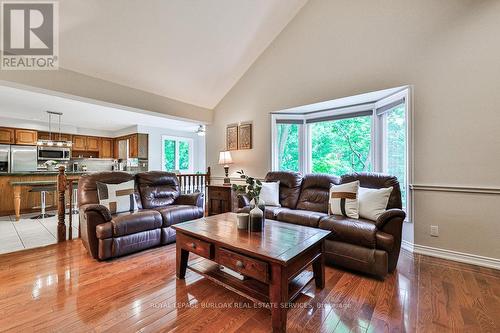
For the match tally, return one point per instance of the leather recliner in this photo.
(160, 204)
(359, 244)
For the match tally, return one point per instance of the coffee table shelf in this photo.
(252, 289)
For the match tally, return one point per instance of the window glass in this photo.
(288, 146)
(394, 140)
(341, 146)
(183, 155)
(169, 154)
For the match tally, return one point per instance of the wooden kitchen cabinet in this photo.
(26, 137)
(79, 142)
(133, 149)
(106, 150)
(92, 143)
(85, 143)
(6, 135)
(54, 136)
(43, 136)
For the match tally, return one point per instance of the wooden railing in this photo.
(194, 182)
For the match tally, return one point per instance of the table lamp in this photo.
(225, 159)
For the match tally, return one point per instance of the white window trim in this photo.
(177, 139)
(305, 158)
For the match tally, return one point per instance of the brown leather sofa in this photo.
(367, 246)
(161, 205)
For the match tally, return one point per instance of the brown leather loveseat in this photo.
(368, 246)
(160, 203)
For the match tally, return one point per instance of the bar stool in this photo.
(74, 204)
(43, 190)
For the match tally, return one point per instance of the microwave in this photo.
(54, 153)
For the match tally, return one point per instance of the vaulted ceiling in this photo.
(193, 51)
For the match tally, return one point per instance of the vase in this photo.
(256, 221)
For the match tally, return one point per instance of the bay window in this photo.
(362, 137)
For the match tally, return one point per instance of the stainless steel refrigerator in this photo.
(23, 158)
(4, 158)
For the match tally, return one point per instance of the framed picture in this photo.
(232, 137)
(245, 136)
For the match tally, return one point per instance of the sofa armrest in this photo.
(91, 216)
(243, 200)
(192, 199)
(388, 215)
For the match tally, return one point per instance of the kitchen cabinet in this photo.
(54, 136)
(85, 143)
(133, 150)
(79, 142)
(6, 135)
(106, 150)
(26, 137)
(137, 145)
(92, 143)
(142, 146)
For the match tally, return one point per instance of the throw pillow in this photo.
(344, 200)
(373, 202)
(270, 193)
(118, 198)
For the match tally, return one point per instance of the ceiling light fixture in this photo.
(58, 142)
(201, 131)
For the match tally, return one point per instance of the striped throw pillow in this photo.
(118, 198)
(344, 200)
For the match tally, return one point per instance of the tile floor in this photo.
(27, 233)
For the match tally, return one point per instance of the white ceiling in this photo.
(30, 107)
(189, 50)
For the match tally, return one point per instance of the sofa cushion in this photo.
(174, 214)
(354, 231)
(118, 198)
(377, 180)
(314, 193)
(302, 217)
(290, 183)
(87, 184)
(132, 222)
(157, 188)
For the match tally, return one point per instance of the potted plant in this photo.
(252, 190)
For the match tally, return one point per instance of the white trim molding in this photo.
(454, 188)
(467, 258)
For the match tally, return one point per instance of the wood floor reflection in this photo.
(59, 288)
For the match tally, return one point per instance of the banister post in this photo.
(61, 204)
(208, 176)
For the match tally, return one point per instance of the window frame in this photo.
(377, 139)
(177, 140)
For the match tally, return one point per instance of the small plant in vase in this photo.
(252, 190)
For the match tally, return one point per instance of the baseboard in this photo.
(467, 258)
(408, 246)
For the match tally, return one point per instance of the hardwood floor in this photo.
(59, 288)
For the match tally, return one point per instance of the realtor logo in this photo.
(29, 35)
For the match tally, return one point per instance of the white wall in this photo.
(155, 146)
(448, 50)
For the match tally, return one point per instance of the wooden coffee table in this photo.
(275, 261)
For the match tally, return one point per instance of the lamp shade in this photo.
(225, 157)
